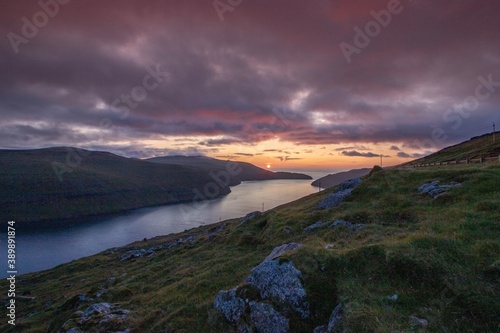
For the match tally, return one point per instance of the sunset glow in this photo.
(292, 85)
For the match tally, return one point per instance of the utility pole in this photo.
(319, 186)
(381, 160)
(493, 132)
(262, 206)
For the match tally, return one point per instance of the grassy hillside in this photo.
(440, 256)
(95, 183)
(481, 146)
(248, 171)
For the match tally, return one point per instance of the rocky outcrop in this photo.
(433, 189)
(281, 250)
(351, 226)
(341, 192)
(248, 217)
(266, 319)
(99, 317)
(281, 284)
(269, 296)
(314, 226)
(188, 240)
(335, 323)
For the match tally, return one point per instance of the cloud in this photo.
(396, 148)
(287, 158)
(244, 154)
(225, 79)
(354, 153)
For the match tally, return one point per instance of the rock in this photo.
(280, 250)
(335, 321)
(433, 189)
(351, 226)
(248, 217)
(230, 305)
(393, 297)
(314, 226)
(266, 319)
(101, 292)
(341, 192)
(96, 309)
(329, 246)
(110, 281)
(280, 283)
(415, 321)
(288, 231)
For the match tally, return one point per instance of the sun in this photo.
(269, 166)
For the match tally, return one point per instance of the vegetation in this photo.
(440, 256)
(62, 183)
(482, 146)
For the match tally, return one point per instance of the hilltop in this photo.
(65, 182)
(389, 256)
(478, 147)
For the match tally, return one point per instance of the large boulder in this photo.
(280, 283)
(230, 305)
(270, 295)
(266, 319)
(335, 322)
(433, 189)
(341, 192)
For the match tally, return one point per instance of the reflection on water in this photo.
(44, 246)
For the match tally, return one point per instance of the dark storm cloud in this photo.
(354, 153)
(227, 79)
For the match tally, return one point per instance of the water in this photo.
(47, 245)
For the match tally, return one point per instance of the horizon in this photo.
(329, 85)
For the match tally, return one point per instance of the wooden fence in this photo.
(456, 162)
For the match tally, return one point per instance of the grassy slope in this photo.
(102, 183)
(481, 146)
(440, 256)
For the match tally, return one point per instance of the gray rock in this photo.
(393, 297)
(341, 192)
(248, 217)
(97, 309)
(230, 305)
(287, 231)
(329, 246)
(280, 283)
(418, 322)
(282, 249)
(433, 189)
(351, 226)
(101, 292)
(133, 254)
(335, 321)
(266, 319)
(314, 226)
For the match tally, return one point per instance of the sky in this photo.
(289, 84)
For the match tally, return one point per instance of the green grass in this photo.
(441, 256)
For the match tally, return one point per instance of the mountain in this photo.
(475, 148)
(337, 178)
(65, 182)
(248, 171)
(55, 183)
(387, 259)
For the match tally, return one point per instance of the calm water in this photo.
(46, 246)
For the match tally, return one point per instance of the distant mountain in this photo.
(57, 183)
(337, 178)
(247, 171)
(64, 182)
(480, 146)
